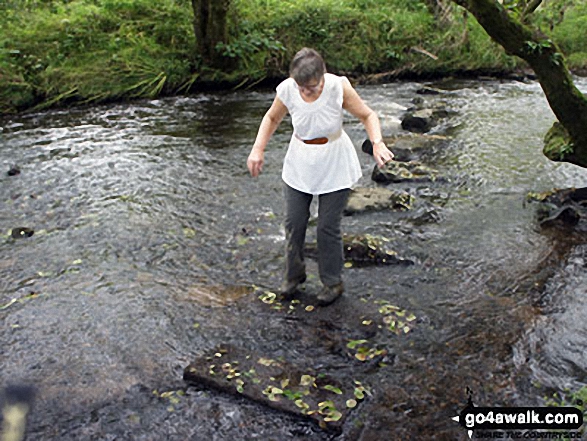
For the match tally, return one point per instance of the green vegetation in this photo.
(53, 52)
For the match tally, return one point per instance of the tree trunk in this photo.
(211, 28)
(566, 101)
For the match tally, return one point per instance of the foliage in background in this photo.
(57, 51)
(93, 50)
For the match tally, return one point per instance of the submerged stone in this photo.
(277, 384)
(217, 295)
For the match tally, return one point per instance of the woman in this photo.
(321, 160)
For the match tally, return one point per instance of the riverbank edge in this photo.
(204, 85)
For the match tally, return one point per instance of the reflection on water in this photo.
(144, 213)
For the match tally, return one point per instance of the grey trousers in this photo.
(330, 251)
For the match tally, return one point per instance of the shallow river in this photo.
(147, 226)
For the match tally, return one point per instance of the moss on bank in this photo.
(53, 52)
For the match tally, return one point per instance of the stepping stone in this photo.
(364, 250)
(375, 199)
(278, 384)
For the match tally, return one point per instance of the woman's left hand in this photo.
(381, 154)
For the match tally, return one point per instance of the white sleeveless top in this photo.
(318, 168)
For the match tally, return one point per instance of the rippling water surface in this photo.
(149, 235)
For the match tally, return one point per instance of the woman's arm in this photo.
(269, 124)
(353, 103)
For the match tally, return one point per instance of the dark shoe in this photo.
(329, 294)
(290, 287)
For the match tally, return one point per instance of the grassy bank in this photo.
(53, 52)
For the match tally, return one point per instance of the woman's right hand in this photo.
(255, 162)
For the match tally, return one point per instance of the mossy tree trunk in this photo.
(211, 28)
(566, 141)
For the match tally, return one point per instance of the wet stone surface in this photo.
(395, 172)
(566, 208)
(362, 250)
(279, 384)
(375, 199)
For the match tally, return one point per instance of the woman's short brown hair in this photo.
(307, 65)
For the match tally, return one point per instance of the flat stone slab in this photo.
(409, 147)
(278, 384)
(364, 250)
(373, 199)
(395, 171)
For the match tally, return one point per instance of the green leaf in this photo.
(333, 416)
(359, 393)
(267, 362)
(326, 405)
(354, 343)
(334, 389)
(189, 233)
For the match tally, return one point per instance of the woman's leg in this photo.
(297, 213)
(330, 251)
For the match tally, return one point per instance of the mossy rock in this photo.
(365, 250)
(396, 171)
(557, 143)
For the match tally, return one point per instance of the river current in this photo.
(151, 238)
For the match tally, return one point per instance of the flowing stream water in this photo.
(148, 231)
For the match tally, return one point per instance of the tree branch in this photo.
(545, 58)
(530, 8)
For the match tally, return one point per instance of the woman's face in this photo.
(313, 89)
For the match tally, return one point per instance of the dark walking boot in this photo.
(329, 294)
(290, 287)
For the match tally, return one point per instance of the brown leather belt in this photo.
(322, 140)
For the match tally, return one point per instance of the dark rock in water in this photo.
(364, 250)
(566, 215)
(395, 171)
(14, 170)
(426, 90)
(425, 216)
(409, 147)
(367, 147)
(564, 207)
(278, 384)
(373, 199)
(415, 146)
(21, 232)
(419, 121)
